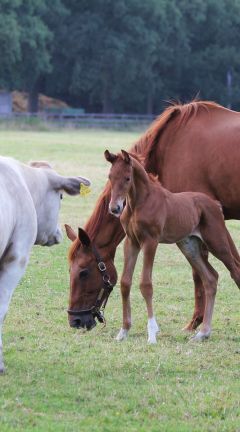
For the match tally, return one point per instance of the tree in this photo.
(10, 46)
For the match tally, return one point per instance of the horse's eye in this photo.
(61, 196)
(83, 273)
(127, 179)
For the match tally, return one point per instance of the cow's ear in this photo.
(70, 185)
(70, 233)
(83, 237)
(110, 157)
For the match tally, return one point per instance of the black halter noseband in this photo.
(98, 309)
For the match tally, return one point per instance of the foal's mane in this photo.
(141, 160)
(143, 149)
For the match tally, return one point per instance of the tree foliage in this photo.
(125, 55)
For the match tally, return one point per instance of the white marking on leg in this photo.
(122, 335)
(153, 329)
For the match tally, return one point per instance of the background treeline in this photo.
(121, 55)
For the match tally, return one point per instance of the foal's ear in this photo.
(110, 157)
(70, 232)
(126, 156)
(83, 237)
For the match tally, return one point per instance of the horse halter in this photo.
(97, 310)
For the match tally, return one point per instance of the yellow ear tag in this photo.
(84, 190)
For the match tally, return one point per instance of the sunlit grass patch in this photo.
(60, 379)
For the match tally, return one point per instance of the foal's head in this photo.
(120, 177)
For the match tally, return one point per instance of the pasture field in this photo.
(59, 379)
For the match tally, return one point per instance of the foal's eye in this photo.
(127, 179)
(83, 273)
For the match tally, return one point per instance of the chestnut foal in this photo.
(154, 215)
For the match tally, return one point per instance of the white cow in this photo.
(29, 207)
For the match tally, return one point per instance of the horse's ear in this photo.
(70, 232)
(83, 237)
(126, 156)
(110, 157)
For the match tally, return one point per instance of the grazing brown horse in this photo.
(191, 147)
(154, 215)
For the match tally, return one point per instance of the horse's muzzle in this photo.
(83, 321)
(115, 211)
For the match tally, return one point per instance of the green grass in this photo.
(59, 379)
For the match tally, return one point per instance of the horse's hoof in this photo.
(200, 337)
(2, 369)
(122, 335)
(152, 340)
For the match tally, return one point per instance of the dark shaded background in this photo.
(121, 55)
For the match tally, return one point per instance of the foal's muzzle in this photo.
(116, 211)
(83, 321)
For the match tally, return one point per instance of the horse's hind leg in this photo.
(220, 244)
(199, 288)
(233, 248)
(191, 248)
(199, 295)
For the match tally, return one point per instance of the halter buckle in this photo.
(102, 267)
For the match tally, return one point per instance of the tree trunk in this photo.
(107, 104)
(33, 97)
(149, 102)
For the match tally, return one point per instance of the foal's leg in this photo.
(12, 269)
(149, 251)
(190, 247)
(233, 248)
(220, 244)
(199, 294)
(131, 252)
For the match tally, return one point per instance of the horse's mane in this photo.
(181, 113)
(95, 220)
(143, 149)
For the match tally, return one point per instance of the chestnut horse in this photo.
(154, 215)
(191, 147)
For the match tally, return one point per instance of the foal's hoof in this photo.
(200, 336)
(122, 335)
(152, 340)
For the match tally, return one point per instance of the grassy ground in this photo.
(59, 379)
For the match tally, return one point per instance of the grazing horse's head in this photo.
(120, 177)
(92, 277)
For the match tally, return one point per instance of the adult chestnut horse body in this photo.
(191, 147)
(150, 215)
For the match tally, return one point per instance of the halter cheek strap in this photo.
(98, 309)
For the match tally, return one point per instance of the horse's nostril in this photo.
(76, 323)
(116, 210)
